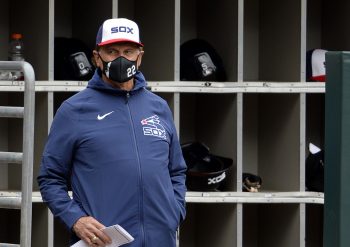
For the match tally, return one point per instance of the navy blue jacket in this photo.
(120, 153)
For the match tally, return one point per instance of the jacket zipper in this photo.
(139, 170)
(127, 96)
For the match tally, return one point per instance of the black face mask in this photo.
(120, 69)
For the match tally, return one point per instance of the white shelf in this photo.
(259, 197)
(180, 86)
(217, 197)
(238, 87)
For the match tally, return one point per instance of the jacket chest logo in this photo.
(99, 117)
(153, 127)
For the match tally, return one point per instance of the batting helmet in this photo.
(205, 171)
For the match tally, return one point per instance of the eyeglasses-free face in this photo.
(113, 51)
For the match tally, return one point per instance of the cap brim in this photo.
(111, 41)
(320, 78)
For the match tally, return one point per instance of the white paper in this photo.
(117, 233)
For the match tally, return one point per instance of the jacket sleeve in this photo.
(177, 169)
(55, 169)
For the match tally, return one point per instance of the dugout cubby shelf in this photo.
(262, 117)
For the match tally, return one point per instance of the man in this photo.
(115, 144)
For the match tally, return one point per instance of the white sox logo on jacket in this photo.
(153, 127)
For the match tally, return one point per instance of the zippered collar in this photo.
(97, 83)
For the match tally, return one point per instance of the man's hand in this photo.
(89, 229)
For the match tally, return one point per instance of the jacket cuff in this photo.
(73, 216)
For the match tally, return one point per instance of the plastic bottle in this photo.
(16, 47)
(16, 52)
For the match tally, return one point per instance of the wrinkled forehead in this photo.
(120, 46)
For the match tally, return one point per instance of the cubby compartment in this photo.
(11, 221)
(335, 19)
(271, 139)
(17, 17)
(326, 20)
(212, 120)
(272, 225)
(272, 40)
(216, 24)
(157, 33)
(75, 29)
(41, 130)
(11, 141)
(315, 15)
(315, 116)
(40, 236)
(11, 132)
(314, 225)
(3, 143)
(62, 235)
(209, 225)
(315, 134)
(73, 21)
(5, 31)
(10, 225)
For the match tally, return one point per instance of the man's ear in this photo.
(96, 58)
(139, 59)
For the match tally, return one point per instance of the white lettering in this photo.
(148, 131)
(217, 179)
(81, 66)
(131, 71)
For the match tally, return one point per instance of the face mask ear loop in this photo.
(105, 65)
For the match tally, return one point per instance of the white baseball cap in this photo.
(118, 30)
